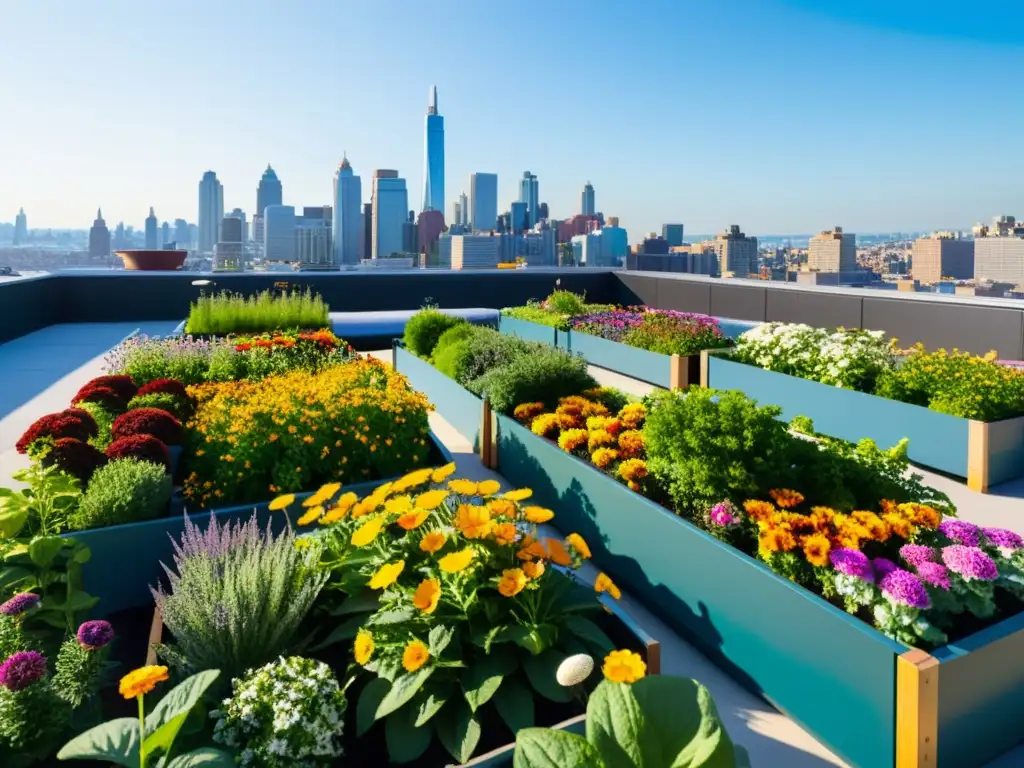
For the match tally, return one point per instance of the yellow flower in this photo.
(505, 534)
(533, 569)
(413, 479)
(398, 505)
(759, 510)
(785, 498)
(432, 499)
(141, 681)
(557, 553)
(281, 502)
(600, 438)
(432, 541)
(538, 515)
(311, 515)
(457, 561)
(576, 541)
(413, 519)
(414, 656)
(512, 582)
(367, 532)
(502, 508)
(387, 575)
(544, 424)
(604, 584)
(519, 494)
(572, 439)
(816, 549)
(623, 667)
(603, 457)
(337, 511)
(463, 487)
(529, 549)
(527, 411)
(474, 521)
(441, 474)
(363, 647)
(632, 470)
(427, 595)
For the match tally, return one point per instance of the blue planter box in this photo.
(652, 367)
(524, 329)
(868, 698)
(986, 453)
(126, 559)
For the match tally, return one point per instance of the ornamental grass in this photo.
(226, 313)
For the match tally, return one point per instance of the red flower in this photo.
(144, 447)
(164, 386)
(243, 347)
(266, 344)
(75, 457)
(148, 421)
(68, 423)
(104, 396)
(121, 384)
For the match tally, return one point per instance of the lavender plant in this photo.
(237, 596)
(147, 358)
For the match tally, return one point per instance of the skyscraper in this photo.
(433, 157)
(519, 217)
(165, 234)
(347, 229)
(483, 205)
(456, 213)
(587, 200)
(151, 230)
(279, 233)
(464, 208)
(834, 251)
(20, 227)
(673, 233)
(367, 247)
(99, 238)
(390, 212)
(228, 254)
(238, 213)
(182, 238)
(211, 211)
(529, 193)
(269, 192)
(313, 247)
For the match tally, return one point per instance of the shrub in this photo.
(225, 313)
(534, 312)
(543, 376)
(148, 359)
(425, 328)
(179, 407)
(76, 457)
(149, 421)
(451, 347)
(163, 387)
(236, 595)
(676, 333)
(104, 396)
(487, 350)
(73, 422)
(125, 491)
(104, 418)
(122, 384)
(566, 303)
(141, 447)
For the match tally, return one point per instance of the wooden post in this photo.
(704, 363)
(156, 632)
(917, 710)
(977, 456)
(488, 437)
(676, 374)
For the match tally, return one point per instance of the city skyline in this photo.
(862, 115)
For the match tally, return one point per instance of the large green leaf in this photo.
(11, 575)
(361, 602)
(393, 616)
(458, 730)
(204, 757)
(167, 717)
(406, 741)
(440, 638)
(43, 549)
(428, 703)
(484, 675)
(547, 748)
(657, 722)
(590, 633)
(540, 670)
(371, 697)
(404, 688)
(345, 631)
(13, 517)
(514, 703)
(116, 741)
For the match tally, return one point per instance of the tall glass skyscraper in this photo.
(587, 200)
(211, 211)
(529, 194)
(433, 158)
(151, 233)
(348, 216)
(269, 192)
(390, 213)
(483, 201)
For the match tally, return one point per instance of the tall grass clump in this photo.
(237, 597)
(225, 313)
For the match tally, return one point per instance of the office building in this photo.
(529, 193)
(942, 256)
(737, 253)
(433, 157)
(542, 211)
(519, 217)
(313, 246)
(165, 234)
(429, 226)
(229, 255)
(998, 258)
(614, 244)
(211, 211)
(587, 200)
(475, 251)
(279, 233)
(20, 227)
(152, 236)
(239, 214)
(483, 201)
(673, 233)
(456, 213)
(367, 247)
(99, 238)
(834, 251)
(390, 212)
(269, 191)
(181, 234)
(348, 216)
(464, 214)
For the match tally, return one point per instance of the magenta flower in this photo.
(25, 601)
(22, 669)
(883, 566)
(961, 532)
(915, 554)
(1003, 539)
(852, 563)
(970, 563)
(933, 574)
(723, 514)
(93, 635)
(904, 588)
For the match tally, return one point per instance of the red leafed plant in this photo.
(75, 457)
(144, 447)
(104, 396)
(73, 422)
(120, 383)
(148, 421)
(163, 386)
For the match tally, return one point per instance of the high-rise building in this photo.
(429, 226)
(457, 213)
(519, 217)
(464, 210)
(475, 251)
(228, 256)
(211, 211)
(943, 255)
(269, 191)
(165, 234)
(238, 213)
(279, 233)
(20, 227)
(998, 252)
(313, 245)
(587, 200)
(120, 239)
(367, 247)
(529, 193)
(181, 234)
(433, 157)
(483, 201)
(834, 251)
(390, 212)
(151, 231)
(99, 238)
(737, 253)
(542, 211)
(348, 216)
(673, 233)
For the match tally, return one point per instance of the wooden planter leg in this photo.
(488, 437)
(704, 363)
(977, 456)
(156, 632)
(917, 710)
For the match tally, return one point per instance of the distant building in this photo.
(269, 191)
(410, 237)
(737, 253)
(673, 233)
(587, 200)
(239, 214)
(348, 230)
(483, 201)
(390, 212)
(456, 213)
(429, 226)
(279, 233)
(367, 248)
(519, 217)
(943, 256)
(165, 234)
(542, 211)
(605, 247)
(537, 248)
(181, 234)
(475, 251)
(653, 244)
(579, 224)
(152, 235)
(211, 211)
(229, 255)
(697, 259)
(465, 216)
(834, 251)
(20, 227)
(999, 259)
(313, 246)
(99, 238)
(529, 193)
(433, 157)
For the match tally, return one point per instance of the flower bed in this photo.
(225, 313)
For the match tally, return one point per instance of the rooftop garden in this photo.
(226, 313)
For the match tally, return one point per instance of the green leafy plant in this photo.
(180, 408)
(44, 506)
(123, 491)
(425, 328)
(487, 350)
(656, 722)
(534, 312)
(566, 303)
(450, 347)
(225, 313)
(543, 376)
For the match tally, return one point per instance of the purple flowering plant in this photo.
(664, 331)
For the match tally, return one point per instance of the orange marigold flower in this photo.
(603, 583)
(433, 541)
(545, 424)
(631, 443)
(557, 553)
(633, 470)
(533, 569)
(899, 525)
(505, 534)
(576, 541)
(530, 549)
(786, 498)
(527, 412)
(759, 510)
(512, 582)
(427, 595)
(602, 458)
(623, 667)
(632, 415)
(415, 656)
(413, 519)
(502, 508)
(474, 521)
(599, 439)
(816, 549)
(572, 439)
(141, 681)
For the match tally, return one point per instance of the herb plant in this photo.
(425, 328)
(226, 313)
(127, 490)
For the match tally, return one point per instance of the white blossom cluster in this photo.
(287, 714)
(843, 358)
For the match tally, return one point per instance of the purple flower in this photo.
(22, 669)
(934, 574)
(852, 563)
(905, 588)
(961, 532)
(883, 566)
(93, 635)
(1002, 538)
(723, 514)
(915, 554)
(969, 562)
(25, 601)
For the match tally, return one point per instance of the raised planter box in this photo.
(985, 453)
(527, 330)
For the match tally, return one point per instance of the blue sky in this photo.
(778, 115)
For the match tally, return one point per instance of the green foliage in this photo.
(226, 313)
(656, 722)
(451, 347)
(543, 376)
(425, 328)
(44, 506)
(534, 312)
(611, 398)
(123, 491)
(675, 334)
(104, 418)
(487, 350)
(32, 722)
(165, 401)
(566, 303)
(77, 672)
